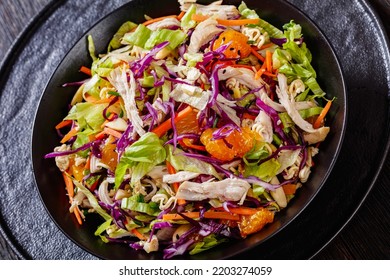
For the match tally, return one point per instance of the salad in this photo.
(192, 129)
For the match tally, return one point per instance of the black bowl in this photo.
(54, 106)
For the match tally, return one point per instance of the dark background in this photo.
(367, 234)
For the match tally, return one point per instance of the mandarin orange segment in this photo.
(254, 223)
(238, 44)
(237, 144)
(189, 124)
(109, 155)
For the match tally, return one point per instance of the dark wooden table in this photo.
(366, 236)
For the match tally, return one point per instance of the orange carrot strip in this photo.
(261, 71)
(246, 211)
(105, 100)
(69, 135)
(68, 184)
(199, 17)
(242, 66)
(226, 22)
(236, 22)
(171, 170)
(157, 19)
(266, 46)
(138, 234)
(63, 124)
(90, 98)
(112, 132)
(181, 15)
(322, 115)
(85, 70)
(259, 56)
(187, 143)
(289, 188)
(268, 59)
(76, 212)
(248, 116)
(269, 74)
(70, 190)
(165, 126)
(207, 215)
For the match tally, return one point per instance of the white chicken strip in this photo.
(316, 134)
(231, 189)
(215, 8)
(203, 33)
(167, 22)
(118, 79)
(244, 76)
(180, 176)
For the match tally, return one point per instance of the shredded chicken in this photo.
(167, 22)
(127, 90)
(244, 76)
(62, 162)
(203, 33)
(215, 8)
(288, 102)
(180, 176)
(230, 189)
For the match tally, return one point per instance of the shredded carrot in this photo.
(69, 135)
(208, 215)
(322, 115)
(269, 74)
(289, 188)
(259, 56)
(266, 46)
(248, 116)
(90, 98)
(68, 184)
(112, 132)
(236, 22)
(171, 170)
(199, 17)
(105, 100)
(86, 70)
(187, 143)
(87, 165)
(165, 126)
(181, 15)
(70, 190)
(94, 185)
(138, 234)
(268, 59)
(246, 211)
(226, 22)
(158, 19)
(63, 124)
(261, 71)
(242, 66)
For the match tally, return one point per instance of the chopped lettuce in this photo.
(181, 162)
(91, 48)
(115, 42)
(269, 28)
(140, 158)
(92, 200)
(136, 203)
(139, 36)
(265, 171)
(145, 38)
(87, 115)
(207, 243)
(187, 22)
